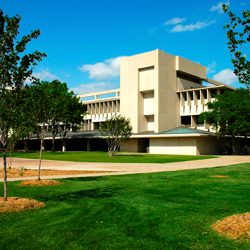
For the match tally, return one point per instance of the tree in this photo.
(8, 118)
(66, 110)
(25, 126)
(230, 114)
(37, 101)
(16, 67)
(115, 130)
(52, 107)
(238, 34)
(71, 117)
(58, 93)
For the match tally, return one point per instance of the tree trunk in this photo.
(246, 151)
(63, 146)
(53, 144)
(234, 146)
(25, 145)
(5, 174)
(10, 159)
(40, 157)
(110, 153)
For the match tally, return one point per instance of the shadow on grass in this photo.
(83, 179)
(127, 155)
(95, 193)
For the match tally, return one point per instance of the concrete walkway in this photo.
(123, 168)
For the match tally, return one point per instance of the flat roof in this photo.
(175, 132)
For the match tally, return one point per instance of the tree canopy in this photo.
(16, 67)
(64, 110)
(52, 107)
(115, 130)
(238, 35)
(230, 113)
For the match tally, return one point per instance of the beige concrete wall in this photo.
(148, 103)
(132, 102)
(130, 146)
(190, 67)
(150, 123)
(167, 113)
(129, 92)
(147, 78)
(176, 146)
(149, 72)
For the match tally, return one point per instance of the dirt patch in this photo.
(219, 176)
(15, 204)
(234, 227)
(22, 172)
(40, 183)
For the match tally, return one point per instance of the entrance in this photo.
(143, 145)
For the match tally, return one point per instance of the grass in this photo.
(169, 210)
(83, 156)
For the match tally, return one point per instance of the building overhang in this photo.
(178, 132)
(170, 135)
(206, 87)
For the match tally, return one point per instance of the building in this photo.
(163, 95)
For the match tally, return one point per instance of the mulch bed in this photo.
(40, 183)
(15, 204)
(22, 172)
(234, 227)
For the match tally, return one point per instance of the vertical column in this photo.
(195, 97)
(208, 95)
(118, 106)
(89, 122)
(112, 107)
(193, 121)
(92, 126)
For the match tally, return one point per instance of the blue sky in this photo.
(84, 40)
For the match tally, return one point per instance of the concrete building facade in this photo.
(163, 96)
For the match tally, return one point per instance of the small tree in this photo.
(238, 34)
(115, 130)
(230, 114)
(15, 68)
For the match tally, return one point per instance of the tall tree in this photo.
(8, 118)
(16, 67)
(71, 117)
(115, 130)
(238, 34)
(65, 112)
(230, 114)
(25, 126)
(38, 101)
(52, 108)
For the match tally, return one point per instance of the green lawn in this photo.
(170, 210)
(83, 156)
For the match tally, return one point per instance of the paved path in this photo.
(124, 168)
